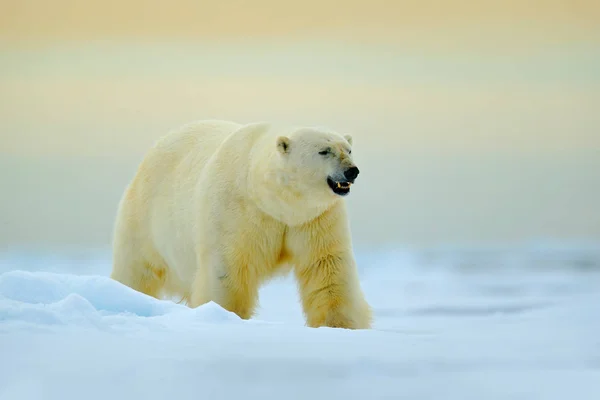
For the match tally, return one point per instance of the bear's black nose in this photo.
(351, 173)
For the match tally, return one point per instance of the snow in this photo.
(517, 323)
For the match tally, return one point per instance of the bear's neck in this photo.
(279, 196)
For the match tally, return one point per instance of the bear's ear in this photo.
(283, 144)
(348, 138)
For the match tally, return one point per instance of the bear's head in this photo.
(318, 161)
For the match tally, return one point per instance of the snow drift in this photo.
(441, 331)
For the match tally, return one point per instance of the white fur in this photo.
(217, 208)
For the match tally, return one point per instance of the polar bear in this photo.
(217, 208)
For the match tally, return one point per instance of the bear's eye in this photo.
(325, 152)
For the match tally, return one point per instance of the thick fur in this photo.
(218, 208)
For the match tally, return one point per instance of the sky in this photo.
(473, 122)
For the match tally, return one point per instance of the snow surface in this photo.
(462, 324)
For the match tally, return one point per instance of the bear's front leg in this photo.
(229, 282)
(331, 294)
(326, 273)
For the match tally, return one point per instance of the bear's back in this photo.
(199, 136)
(159, 201)
(184, 151)
(169, 170)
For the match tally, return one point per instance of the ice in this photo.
(450, 324)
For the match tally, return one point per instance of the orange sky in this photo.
(405, 21)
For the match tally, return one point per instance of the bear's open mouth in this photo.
(341, 188)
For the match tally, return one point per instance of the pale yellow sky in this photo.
(394, 20)
(473, 121)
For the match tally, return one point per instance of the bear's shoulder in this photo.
(246, 139)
